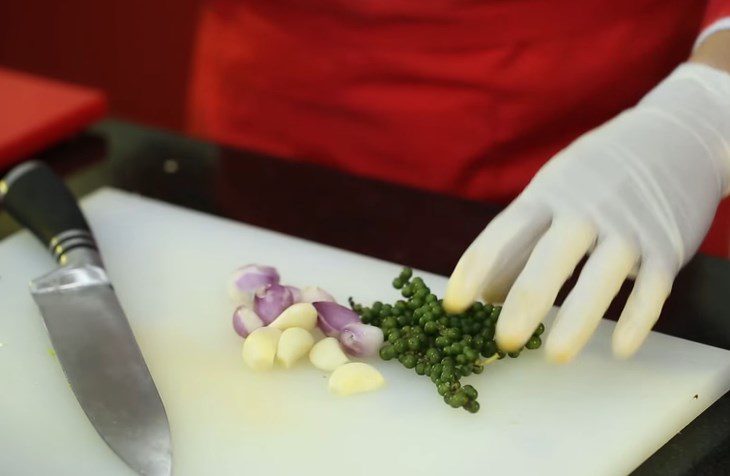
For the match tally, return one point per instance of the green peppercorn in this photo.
(470, 354)
(488, 332)
(489, 348)
(408, 361)
(534, 343)
(540, 329)
(400, 346)
(420, 368)
(458, 399)
(398, 283)
(475, 327)
(470, 392)
(389, 323)
(452, 334)
(514, 355)
(478, 342)
(414, 343)
(443, 388)
(430, 327)
(472, 406)
(477, 369)
(433, 355)
(447, 375)
(387, 352)
(442, 342)
(406, 274)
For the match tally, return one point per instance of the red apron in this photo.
(468, 97)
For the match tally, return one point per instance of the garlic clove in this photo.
(327, 354)
(294, 343)
(355, 377)
(302, 315)
(259, 348)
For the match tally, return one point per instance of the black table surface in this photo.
(413, 227)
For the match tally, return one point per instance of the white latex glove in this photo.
(639, 193)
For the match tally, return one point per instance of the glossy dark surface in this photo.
(420, 229)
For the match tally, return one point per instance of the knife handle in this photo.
(39, 200)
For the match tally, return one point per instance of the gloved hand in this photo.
(639, 193)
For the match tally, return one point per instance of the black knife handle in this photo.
(39, 200)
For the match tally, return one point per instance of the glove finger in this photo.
(599, 282)
(551, 263)
(642, 309)
(503, 240)
(497, 288)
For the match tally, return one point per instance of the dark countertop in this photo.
(421, 229)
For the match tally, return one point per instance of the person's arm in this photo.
(714, 51)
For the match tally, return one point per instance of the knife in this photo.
(86, 324)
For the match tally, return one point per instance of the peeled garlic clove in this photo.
(302, 315)
(327, 354)
(294, 343)
(259, 348)
(355, 377)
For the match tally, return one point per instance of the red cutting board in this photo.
(37, 112)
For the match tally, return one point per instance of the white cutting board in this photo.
(596, 416)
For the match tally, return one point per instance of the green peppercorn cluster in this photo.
(445, 348)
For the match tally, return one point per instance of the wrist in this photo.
(696, 97)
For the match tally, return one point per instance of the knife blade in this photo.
(86, 324)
